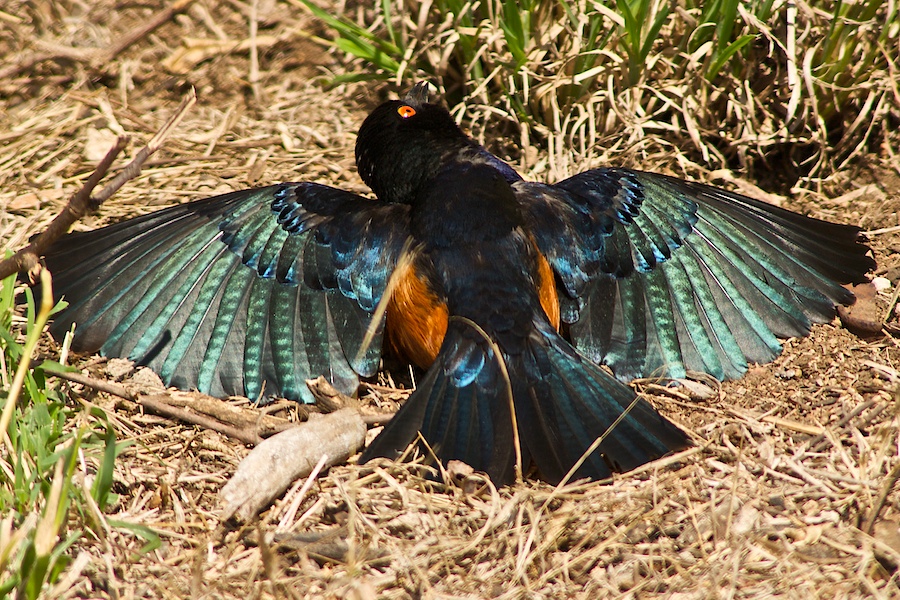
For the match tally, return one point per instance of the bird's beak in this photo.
(418, 95)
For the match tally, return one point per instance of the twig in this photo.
(883, 493)
(133, 168)
(143, 31)
(158, 404)
(79, 205)
(206, 411)
(329, 399)
(161, 404)
(96, 384)
(883, 230)
(794, 425)
(97, 59)
(380, 419)
(820, 442)
(83, 203)
(276, 463)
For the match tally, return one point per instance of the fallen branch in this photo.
(83, 202)
(329, 399)
(101, 385)
(165, 405)
(78, 206)
(821, 441)
(250, 426)
(330, 547)
(887, 485)
(160, 405)
(276, 463)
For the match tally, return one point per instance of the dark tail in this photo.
(563, 403)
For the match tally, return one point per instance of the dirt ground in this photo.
(789, 493)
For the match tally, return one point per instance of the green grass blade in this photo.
(725, 55)
(104, 479)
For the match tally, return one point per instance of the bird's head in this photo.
(402, 143)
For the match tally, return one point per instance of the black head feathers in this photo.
(402, 143)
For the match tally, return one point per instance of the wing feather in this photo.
(248, 293)
(659, 276)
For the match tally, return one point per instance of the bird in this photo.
(527, 306)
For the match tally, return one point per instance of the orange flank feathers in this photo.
(416, 319)
(547, 291)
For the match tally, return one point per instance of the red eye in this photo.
(406, 111)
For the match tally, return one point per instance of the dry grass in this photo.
(578, 84)
(793, 460)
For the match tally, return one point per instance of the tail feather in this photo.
(562, 404)
(575, 402)
(466, 425)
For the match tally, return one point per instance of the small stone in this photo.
(147, 381)
(119, 368)
(881, 284)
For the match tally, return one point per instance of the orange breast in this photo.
(417, 319)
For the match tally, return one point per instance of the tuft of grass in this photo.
(384, 54)
(715, 35)
(643, 20)
(722, 83)
(47, 498)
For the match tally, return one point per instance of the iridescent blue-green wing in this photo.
(250, 293)
(660, 276)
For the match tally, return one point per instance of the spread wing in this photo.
(248, 293)
(659, 276)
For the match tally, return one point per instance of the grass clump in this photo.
(56, 464)
(722, 83)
